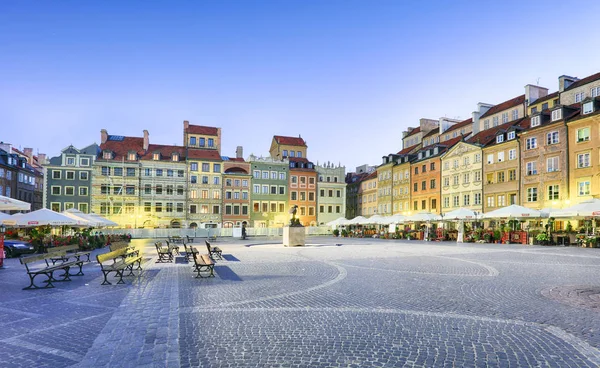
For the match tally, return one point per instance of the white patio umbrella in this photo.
(460, 214)
(337, 222)
(40, 218)
(424, 217)
(4, 216)
(375, 220)
(514, 211)
(394, 219)
(589, 208)
(103, 221)
(11, 204)
(80, 216)
(356, 221)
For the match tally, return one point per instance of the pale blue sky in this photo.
(349, 76)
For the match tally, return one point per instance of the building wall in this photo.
(163, 188)
(568, 97)
(520, 110)
(580, 175)
(331, 192)
(368, 196)
(509, 170)
(266, 174)
(205, 195)
(461, 178)
(427, 199)
(543, 179)
(303, 193)
(401, 188)
(236, 193)
(385, 184)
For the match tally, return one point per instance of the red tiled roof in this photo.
(203, 154)
(584, 81)
(505, 105)
(165, 152)
(414, 131)
(290, 141)
(199, 129)
(459, 125)
(235, 159)
(299, 159)
(450, 142)
(489, 135)
(407, 149)
(432, 132)
(371, 175)
(122, 147)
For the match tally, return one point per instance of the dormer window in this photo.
(556, 114)
(499, 138)
(595, 92)
(435, 150)
(579, 97)
(427, 153)
(175, 157)
(535, 121)
(588, 107)
(156, 156)
(107, 155)
(131, 156)
(510, 135)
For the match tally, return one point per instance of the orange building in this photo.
(303, 190)
(236, 191)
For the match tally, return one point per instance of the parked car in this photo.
(14, 248)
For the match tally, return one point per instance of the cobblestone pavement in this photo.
(366, 302)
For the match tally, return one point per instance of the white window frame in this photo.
(510, 135)
(531, 168)
(552, 138)
(531, 143)
(512, 154)
(530, 194)
(501, 156)
(587, 107)
(583, 188)
(583, 160)
(552, 164)
(535, 121)
(499, 138)
(580, 96)
(585, 138)
(556, 114)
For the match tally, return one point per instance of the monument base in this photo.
(294, 236)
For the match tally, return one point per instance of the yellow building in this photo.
(461, 176)
(385, 186)
(287, 147)
(584, 152)
(368, 195)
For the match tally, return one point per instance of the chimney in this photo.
(239, 152)
(42, 158)
(534, 93)
(6, 147)
(103, 136)
(564, 81)
(29, 153)
(146, 140)
(186, 125)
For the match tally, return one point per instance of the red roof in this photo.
(450, 142)
(414, 131)
(203, 154)
(165, 152)
(584, 81)
(489, 135)
(236, 159)
(432, 132)
(407, 149)
(204, 130)
(459, 125)
(548, 97)
(290, 141)
(505, 105)
(371, 175)
(122, 146)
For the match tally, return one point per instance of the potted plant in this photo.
(497, 236)
(542, 238)
(336, 233)
(487, 237)
(344, 233)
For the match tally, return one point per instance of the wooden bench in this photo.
(173, 248)
(189, 240)
(72, 251)
(190, 252)
(120, 245)
(164, 253)
(123, 259)
(48, 270)
(203, 263)
(175, 239)
(213, 251)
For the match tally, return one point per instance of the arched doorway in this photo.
(175, 224)
(193, 225)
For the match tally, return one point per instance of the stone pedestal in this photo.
(294, 236)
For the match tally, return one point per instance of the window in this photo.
(477, 198)
(490, 158)
(83, 191)
(466, 200)
(192, 141)
(579, 96)
(69, 191)
(180, 190)
(466, 178)
(292, 153)
(415, 187)
(424, 168)
(504, 117)
(169, 173)
(256, 188)
(552, 164)
(446, 202)
(105, 171)
(71, 161)
(490, 201)
(553, 192)
(532, 194)
(455, 180)
(432, 184)
(432, 166)
(84, 161)
(588, 107)
(130, 171)
(466, 161)
(202, 141)
(495, 121)
(531, 143)
(515, 114)
(294, 196)
(216, 168)
(535, 121)
(70, 175)
(534, 110)
(446, 165)
(499, 138)
(512, 154)
(500, 176)
(455, 164)
(478, 157)
(56, 174)
(423, 185)
(433, 204)
(583, 160)
(55, 190)
(211, 142)
(205, 167)
(477, 175)
(423, 204)
(501, 201)
(159, 172)
(456, 201)
(595, 92)
(552, 138)
(583, 134)
(169, 207)
(510, 135)
(556, 114)
(180, 173)
(416, 170)
(532, 168)
(512, 174)
(583, 188)
(83, 175)
(300, 155)
(501, 156)
(446, 181)
(486, 124)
